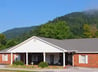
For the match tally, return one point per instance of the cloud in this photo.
(93, 4)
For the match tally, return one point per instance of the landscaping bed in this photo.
(34, 67)
(41, 65)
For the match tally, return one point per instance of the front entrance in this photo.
(51, 59)
(68, 58)
(35, 58)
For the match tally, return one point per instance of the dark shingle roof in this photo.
(5, 50)
(90, 44)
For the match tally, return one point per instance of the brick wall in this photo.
(92, 60)
(9, 58)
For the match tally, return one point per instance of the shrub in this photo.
(43, 64)
(18, 63)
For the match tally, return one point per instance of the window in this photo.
(4, 57)
(17, 58)
(83, 59)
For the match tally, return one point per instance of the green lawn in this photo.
(13, 71)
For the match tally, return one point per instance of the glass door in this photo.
(51, 59)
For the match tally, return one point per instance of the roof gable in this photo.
(35, 44)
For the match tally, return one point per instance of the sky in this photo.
(25, 13)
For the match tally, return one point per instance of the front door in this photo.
(68, 60)
(52, 59)
(35, 59)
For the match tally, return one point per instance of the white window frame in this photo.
(81, 61)
(4, 57)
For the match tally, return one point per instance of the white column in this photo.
(73, 60)
(11, 58)
(44, 57)
(63, 59)
(26, 58)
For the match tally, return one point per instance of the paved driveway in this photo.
(80, 69)
(74, 69)
(70, 69)
(3, 66)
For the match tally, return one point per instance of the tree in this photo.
(96, 34)
(2, 39)
(2, 47)
(11, 43)
(94, 30)
(58, 30)
(87, 31)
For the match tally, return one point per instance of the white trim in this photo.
(79, 59)
(63, 59)
(44, 57)
(73, 60)
(34, 37)
(26, 58)
(11, 58)
(82, 52)
(86, 59)
(4, 57)
(20, 44)
(38, 52)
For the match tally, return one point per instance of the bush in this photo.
(43, 64)
(18, 63)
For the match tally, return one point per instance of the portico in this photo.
(35, 49)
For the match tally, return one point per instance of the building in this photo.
(75, 52)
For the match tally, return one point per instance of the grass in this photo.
(13, 71)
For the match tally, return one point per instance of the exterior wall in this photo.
(9, 58)
(5, 62)
(56, 57)
(92, 60)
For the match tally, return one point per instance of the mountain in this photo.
(16, 32)
(70, 26)
(77, 19)
(74, 21)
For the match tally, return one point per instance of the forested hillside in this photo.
(73, 25)
(16, 32)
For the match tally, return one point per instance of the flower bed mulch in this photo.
(35, 67)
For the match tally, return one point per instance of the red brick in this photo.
(92, 60)
(9, 58)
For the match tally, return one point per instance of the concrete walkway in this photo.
(3, 66)
(71, 69)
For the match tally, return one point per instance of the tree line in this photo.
(71, 26)
(57, 30)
